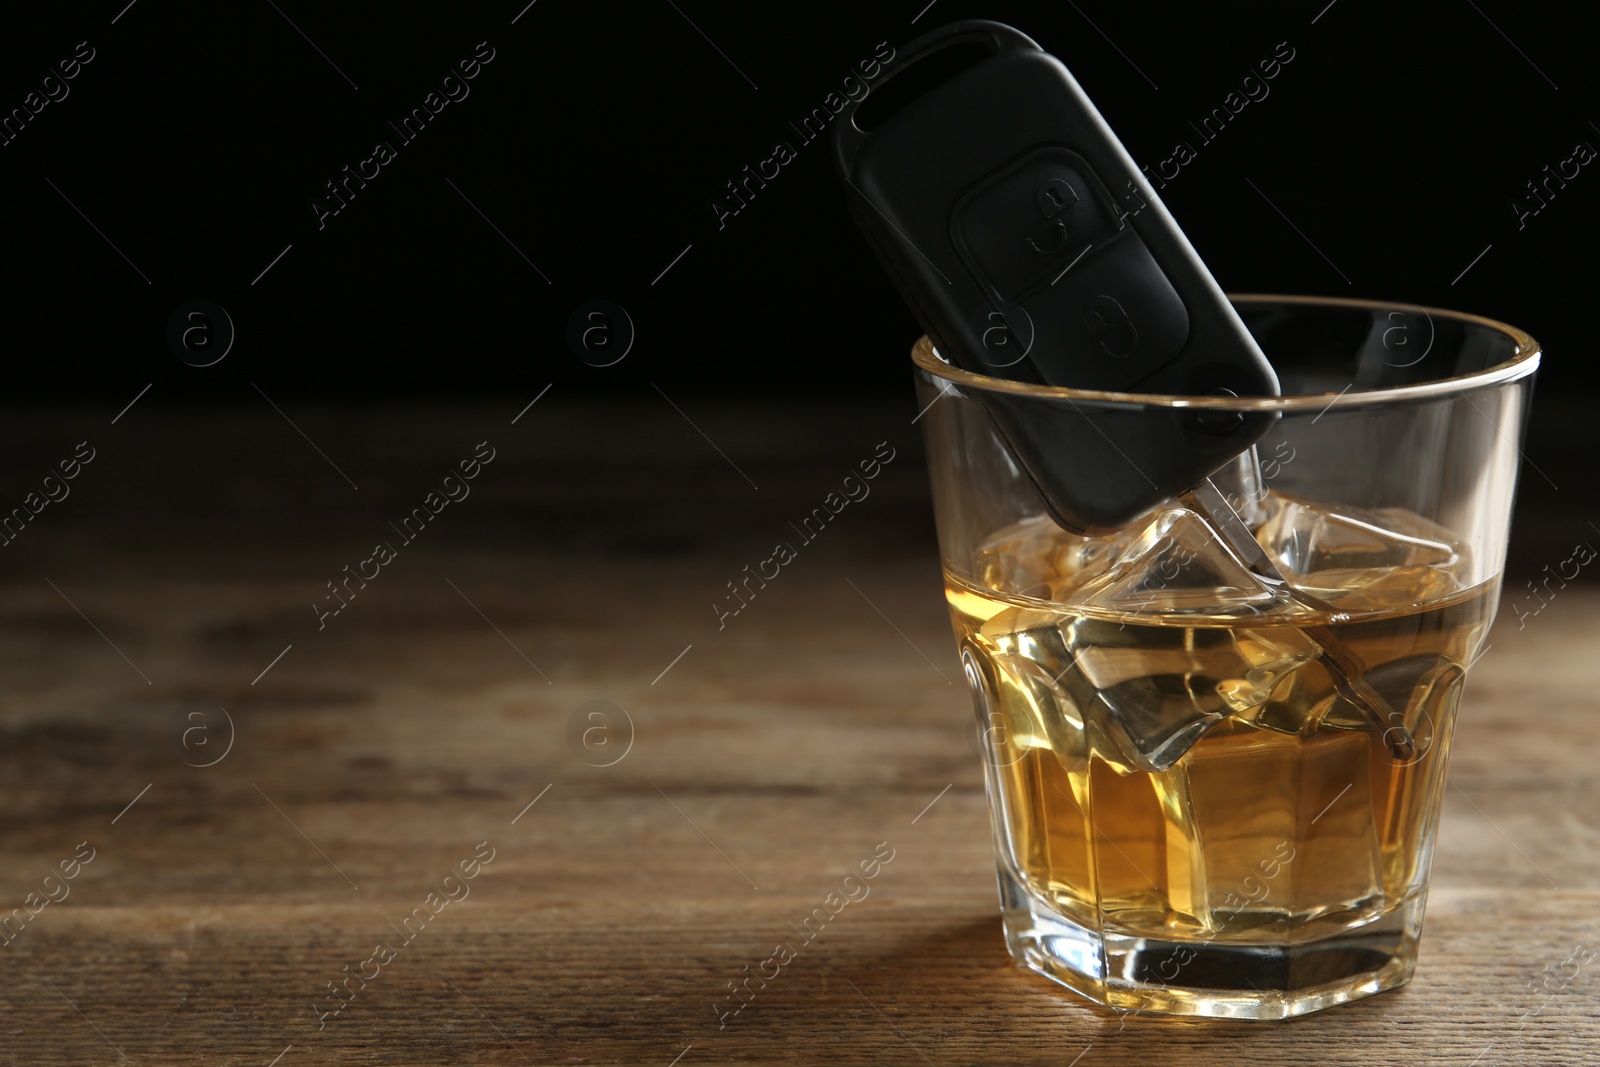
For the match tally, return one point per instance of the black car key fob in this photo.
(1030, 247)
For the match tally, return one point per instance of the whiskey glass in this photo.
(1213, 793)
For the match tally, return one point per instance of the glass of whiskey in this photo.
(1215, 768)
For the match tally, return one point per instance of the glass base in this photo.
(1232, 981)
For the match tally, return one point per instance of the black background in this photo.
(599, 134)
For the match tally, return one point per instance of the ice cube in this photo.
(1420, 692)
(1159, 689)
(1037, 558)
(1020, 705)
(1362, 558)
(1180, 564)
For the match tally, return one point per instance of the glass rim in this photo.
(1520, 365)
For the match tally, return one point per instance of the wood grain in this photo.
(773, 755)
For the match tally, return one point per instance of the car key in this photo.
(1030, 247)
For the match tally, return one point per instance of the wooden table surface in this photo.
(445, 707)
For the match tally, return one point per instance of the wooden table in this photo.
(437, 711)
